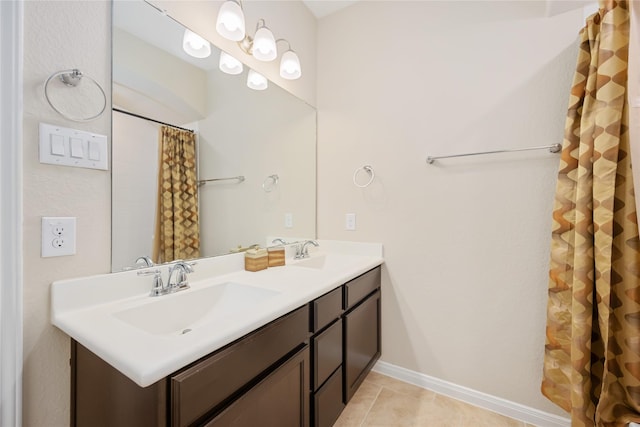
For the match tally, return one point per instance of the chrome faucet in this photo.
(180, 269)
(302, 251)
(144, 261)
(279, 241)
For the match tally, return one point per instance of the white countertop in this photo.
(84, 308)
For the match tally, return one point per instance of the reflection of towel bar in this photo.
(240, 179)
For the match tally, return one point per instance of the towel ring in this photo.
(270, 183)
(72, 78)
(367, 169)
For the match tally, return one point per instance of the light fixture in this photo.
(264, 44)
(228, 64)
(257, 81)
(230, 22)
(195, 45)
(289, 63)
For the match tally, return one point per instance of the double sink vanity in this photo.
(285, 346)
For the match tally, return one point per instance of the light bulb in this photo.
(228, 64)
(195, 45)
(264, 45)
(230, 22)
(290, 66)
(257, 81)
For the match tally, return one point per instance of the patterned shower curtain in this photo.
(177, 225)
(592, 352)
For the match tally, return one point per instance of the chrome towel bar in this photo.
(240, 179)
(553, 148)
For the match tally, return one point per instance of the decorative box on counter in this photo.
(276, 256)
(256, 259)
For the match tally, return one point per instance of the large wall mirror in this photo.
(267, 137)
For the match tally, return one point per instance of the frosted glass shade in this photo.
(195, 45)
(290, 66)
(230, 22)
(257, 81)
(228, 64)
(264, 45)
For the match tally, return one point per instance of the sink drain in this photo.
(185, 331)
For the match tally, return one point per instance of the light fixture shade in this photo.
(228, 64)
(264, 45)
(195, 45)
(290, 66)
(257, 81)
(230, 22)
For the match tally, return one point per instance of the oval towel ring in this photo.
(367, 169)
(72, 78)
(270, 183)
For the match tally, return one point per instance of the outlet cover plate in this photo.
(58, 236)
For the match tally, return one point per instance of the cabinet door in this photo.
(362, 342)
(279, 400)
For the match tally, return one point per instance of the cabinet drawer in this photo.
(201, 388)
(326, 309)
(360, 287)
(328, 402)
(327, 353)
(279, 400)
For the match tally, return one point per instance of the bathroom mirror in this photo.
(268, 137)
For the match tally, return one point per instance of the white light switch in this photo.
(288, 220)
(72, 147)
(57, 145)
(94, 150)
(76, 148)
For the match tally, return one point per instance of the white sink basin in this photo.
(326, 261)
(183, 311)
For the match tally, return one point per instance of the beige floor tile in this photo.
(395, 409)
(400, 386)
(478, 417)
(359, 405)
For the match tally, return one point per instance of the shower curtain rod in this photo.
(553, 148)
(151, 120)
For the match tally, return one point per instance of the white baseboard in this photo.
(473, 397)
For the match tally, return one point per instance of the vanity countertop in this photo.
(113, 315)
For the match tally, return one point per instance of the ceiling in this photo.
(322, 8)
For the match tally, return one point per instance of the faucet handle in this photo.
(158, 286)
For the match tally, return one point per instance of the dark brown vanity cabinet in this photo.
(362, 340)
(326, 347)
(297, 371)
(265, 374)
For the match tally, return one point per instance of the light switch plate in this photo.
(71, 147)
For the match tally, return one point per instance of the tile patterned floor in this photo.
(383, 401)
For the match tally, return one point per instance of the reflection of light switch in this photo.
(57, 145)
(94, 150)
(76, 148)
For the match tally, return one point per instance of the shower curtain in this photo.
(177, 224)
(592, 352)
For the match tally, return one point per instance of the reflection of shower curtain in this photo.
(592, 354)
(177, 225)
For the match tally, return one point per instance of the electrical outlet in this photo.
(58, 236)
(288, 220)
(350, 222)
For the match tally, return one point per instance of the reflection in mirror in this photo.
(244, 140)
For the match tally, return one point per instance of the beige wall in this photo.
(466, 240)
(59, 35)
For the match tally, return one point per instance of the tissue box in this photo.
(276, 256)
(256, 259)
